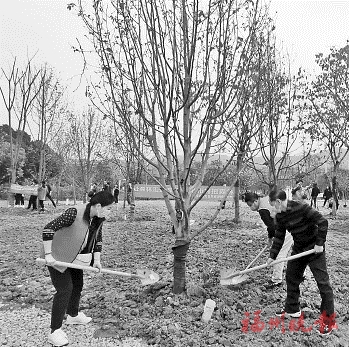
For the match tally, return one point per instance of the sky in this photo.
(48, 30)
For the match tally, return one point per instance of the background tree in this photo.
(8, 94)
(49, 107)
(86, 139)
(275, 103)
(21, 93)
(327, 107)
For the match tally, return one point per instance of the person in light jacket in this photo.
(267, 214)
(42, 191)
(74, 237)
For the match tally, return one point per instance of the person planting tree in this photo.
(308, 229)
(74, 237)
(267, 213)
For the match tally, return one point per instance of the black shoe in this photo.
(279, 313)
(272, 285)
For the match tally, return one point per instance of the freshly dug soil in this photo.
(127, 314)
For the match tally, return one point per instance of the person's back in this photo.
(309, 230)
(328, 193)
(315, 191)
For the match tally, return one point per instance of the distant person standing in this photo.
(33, 198)
(116, 194)
(327, 195)
(106, 187)
(314, 193)
(48, 194)
(42, 190)
(93, 190)
(19, 199)
(298, 193)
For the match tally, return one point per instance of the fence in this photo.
(214, 193)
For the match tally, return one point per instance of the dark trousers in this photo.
(41, 205)
(294, 277)
(32, 202)
(313, 201)
(67, 298)
(19, 199)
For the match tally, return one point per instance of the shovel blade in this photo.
(226, 273)
(234, 280)
(147, 276)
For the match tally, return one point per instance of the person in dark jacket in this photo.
(327, 195)
(93, 190)
(48, 194)
(116, 194)
(33, 198)
(315, 191)
(299, 192)
(74, 237)
(308, 229)
(267, 213)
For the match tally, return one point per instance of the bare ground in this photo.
(122, 308)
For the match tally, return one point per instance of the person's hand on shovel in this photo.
(269, 261)
(270, 241)
(318, 249)
(49, 259)
(97, 261)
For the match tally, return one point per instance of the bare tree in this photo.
(276, 104)
(86, 139)
(181, 65)
(8, 94)
(50, 107)
(327, 107)
(21, 94)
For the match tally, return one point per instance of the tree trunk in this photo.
(335, 196)
(58, 189)
(180, 250)
(74, 191)
(236, 202)
(237, 190)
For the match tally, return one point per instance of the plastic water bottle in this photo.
(208, 310)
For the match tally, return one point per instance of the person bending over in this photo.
(267, 212)
(73, 237)
(308, 229)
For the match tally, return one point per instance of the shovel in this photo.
(243, 277)
(146, 276)
(227, 280)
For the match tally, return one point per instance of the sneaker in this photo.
(272, 285)
(279, 313)
(81, 318)
(58, 338)
(325, 329)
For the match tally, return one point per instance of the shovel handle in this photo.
(299, 255)
(257, 256)
(88, 268)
